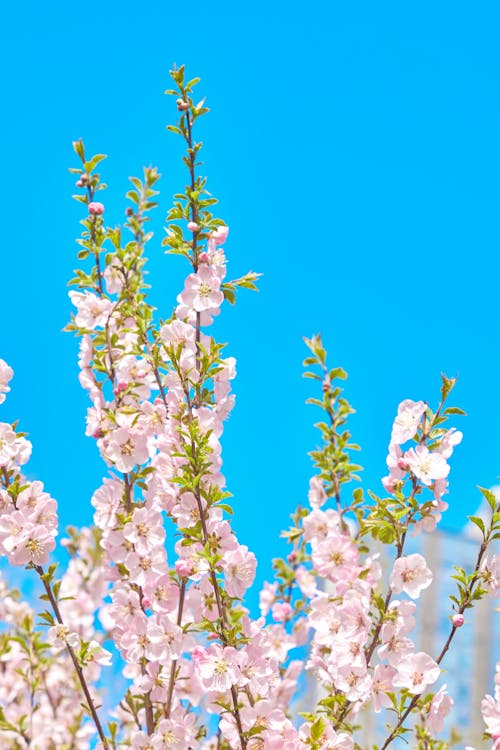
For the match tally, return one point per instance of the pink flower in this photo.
(281, 611)
(336, 558)
(317, 495)
(406, 423)
(490, 570)
(126, 449)
(96, 208)
(218, 667)
(449, 440)
(202, 290)
(6, 374)
(490, 710)
(93, 312)
(411, 575)
(383, 675)
(239, 570)
(425, 465)
(267, 597)
(416, 672)
(439, 708)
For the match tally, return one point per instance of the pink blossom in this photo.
(439, 708)
(406, 423)
(448, 442)
(490, 571)
(336, 558)
(416, 672)
(93, 312)
(239, 570)
(202, 290)
(411, 575)
(267, 597)
(383, 675)
(218, 667)
(426, 465)
(126, 449)
(281, 611)
(6, 374)
(317, 495)
(458, 620)
(490, 710)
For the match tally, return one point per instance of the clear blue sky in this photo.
(355, 150)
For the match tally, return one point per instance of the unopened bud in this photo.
(182, 105)
(193, 226)
(458, 621)
(120, 387)
(183, 568)
(95, 208)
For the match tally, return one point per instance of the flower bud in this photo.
(95, 208)
(193, 226)
(458, 621)
(183, 568)
(182, 105)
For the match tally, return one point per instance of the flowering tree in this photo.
(200, 672)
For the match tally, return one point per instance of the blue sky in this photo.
(355, 151)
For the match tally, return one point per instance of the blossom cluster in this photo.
(156, 587)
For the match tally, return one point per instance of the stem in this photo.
(173, 667)
(78, 668)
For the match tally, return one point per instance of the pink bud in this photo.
(146, 602)
(198, 654)
(292, 556)
(183, 568)
(97, 433)
(458, 621)
(95, 208)
(402, 464)
(79, 183)
(203, 258)
(120, 387)
(182, 105)
(193, 226)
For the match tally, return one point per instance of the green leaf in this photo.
(90, 165)
(477, 522)
(447, 386)
(454, 410)
(489, 497)
(79, 149)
